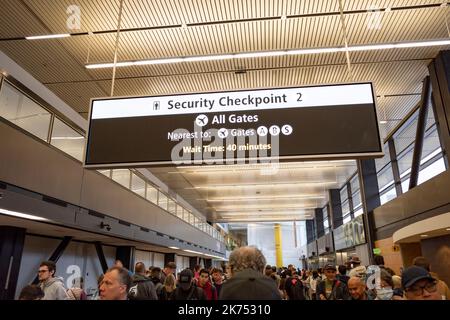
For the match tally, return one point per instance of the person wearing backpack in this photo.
(331, 288)
(294, 287)
(142, 288)
(187, 290)
(155, 275)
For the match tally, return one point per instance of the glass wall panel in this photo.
(180, 211)
(406, 134)
(344, 193)
(358, 212)
(67, 139)
(387, 196)
(346, 219)
(432, 170)
(137, 185)
(357, 199)
(24, 112)
(405, 162)
(152, 194)
(354, 184)
(122, 176)
(405, 185)
(381, 162)
(385, 177)
(162, 200)
(325, 213)
(345, 208)
(431, 144)
(172, 206)
(105, 172)
(326, 224)
(186, 215)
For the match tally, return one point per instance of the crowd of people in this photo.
(247, 277)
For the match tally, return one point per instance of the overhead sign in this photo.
(334, 121)
(350, 234)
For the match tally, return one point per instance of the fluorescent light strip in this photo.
(192, 251)
(21, 215)
(256, 208)
(48, 36)
(264, 214)
(263, 198)
(203, 254)
(267, 211)
(274, 219)
(67, 138)
(175, 248)
(266, 167)
(355, 48)
(262, 184)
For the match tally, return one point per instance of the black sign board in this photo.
(320, 122)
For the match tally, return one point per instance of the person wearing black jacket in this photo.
(187, 290)
(331, 288)
(294, 287)
(142, 287)
(342, 276)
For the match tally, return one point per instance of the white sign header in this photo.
(279, 98)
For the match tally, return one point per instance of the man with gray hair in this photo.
(248, 281)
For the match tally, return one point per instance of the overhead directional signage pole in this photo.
(320, 122)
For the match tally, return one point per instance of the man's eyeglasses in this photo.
(42, 271)
(430, 287)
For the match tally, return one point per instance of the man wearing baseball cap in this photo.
(331, 288)
(187, 290)
(419, 284)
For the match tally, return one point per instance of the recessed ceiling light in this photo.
(383, 122)
(424, 235)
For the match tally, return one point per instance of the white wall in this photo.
(82, 255)
(150, 259)
(158, 260)
(182, 262)
(262, 236)
(363, 253)
(144, 256)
